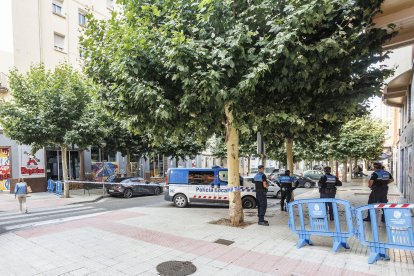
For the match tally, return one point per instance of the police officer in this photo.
(327, 188)
(379, 187)
(261, 185)
(285, 183)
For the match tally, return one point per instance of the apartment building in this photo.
(47, 31)
(398, 92)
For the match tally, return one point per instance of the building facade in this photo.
(42, 31)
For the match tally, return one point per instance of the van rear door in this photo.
(177, 182)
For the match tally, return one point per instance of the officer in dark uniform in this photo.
(261, 185)
(379, 187)
(327, 188)
(285, 182)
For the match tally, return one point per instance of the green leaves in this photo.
(49, 108)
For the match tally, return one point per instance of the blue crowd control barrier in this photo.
(50, 186)
(318, 221)
(7, 184)
(398, 227)
(59, 188)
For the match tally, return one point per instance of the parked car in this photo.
(131, 186)
(313, 174)
(272, 191)
(304, 182)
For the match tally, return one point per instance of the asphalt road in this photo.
(11, 221)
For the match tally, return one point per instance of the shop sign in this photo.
(31, 165)
(5, 168)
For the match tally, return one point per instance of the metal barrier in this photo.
(59, 187)
(318, 221)
(398, 225)
(50, 186)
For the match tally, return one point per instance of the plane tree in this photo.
(201, 67)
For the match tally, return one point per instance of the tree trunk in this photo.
(232, 142)
(331, 163)
(344, 171)
(365, 165)
(289, 154)
(82, 165)
(65, 171)
(248, 164)
(264, 160)
(337, 169)
(128, 165)
(350, 167)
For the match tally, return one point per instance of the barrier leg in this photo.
(304, 237)
(338, 241)
(377, 253)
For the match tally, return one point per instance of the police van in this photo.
(192, 185)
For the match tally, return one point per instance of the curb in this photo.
(89, 201)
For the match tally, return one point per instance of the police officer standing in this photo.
(261, 185)
(285, 182)
(379, 187)
(327, 188)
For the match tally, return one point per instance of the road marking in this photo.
(48, 212)
(53, 221)
(25, 218)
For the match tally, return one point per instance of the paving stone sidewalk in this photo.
(136, 240)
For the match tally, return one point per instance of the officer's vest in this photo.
(258, 181)
(330, 181)
(285, 181)
(383, 177)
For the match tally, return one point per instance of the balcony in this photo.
(3, 84)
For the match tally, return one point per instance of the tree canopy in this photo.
(175, 67)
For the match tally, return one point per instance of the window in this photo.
(82, 19)
(223, 176)
(201, 177)
(81, 51)
(57, 7)
(59, 41)
(409, 104)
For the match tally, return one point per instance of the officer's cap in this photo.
(327, 169)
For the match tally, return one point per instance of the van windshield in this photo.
(224, 176)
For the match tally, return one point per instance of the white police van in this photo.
(193, 185)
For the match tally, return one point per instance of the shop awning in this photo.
(395, 92)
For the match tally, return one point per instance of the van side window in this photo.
(224, 176)
(200, 177)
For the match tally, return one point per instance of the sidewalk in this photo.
(136, 240)
(47, 200)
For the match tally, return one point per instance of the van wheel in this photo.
(307, 185)
(248, 203)
(180, 201)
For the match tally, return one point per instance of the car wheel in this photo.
(248, 203)
(127, 193)
(180, 201)
(307, 185)
(157, 190)
(278, 195)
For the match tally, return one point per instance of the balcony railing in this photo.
(3, 83)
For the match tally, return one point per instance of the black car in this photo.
(130, 186)
(304, 182)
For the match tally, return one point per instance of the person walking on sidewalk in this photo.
(285, 182)
(379, 187)
(261, 185)
(20, 191)
(327, 188)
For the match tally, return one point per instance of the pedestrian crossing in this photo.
(37, 217)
